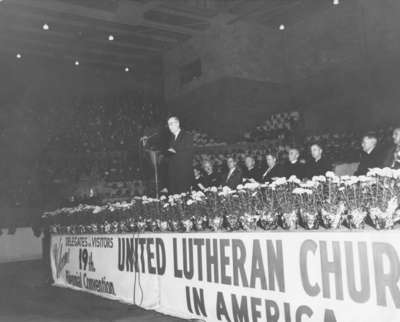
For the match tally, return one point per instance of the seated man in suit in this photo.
(369, 157)
(319, 165)
(273, 171)
(250, 172)
(234, 176)
(392, 157)
(294, 167)
(210, 178)
(197, 184)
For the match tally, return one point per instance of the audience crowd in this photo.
(82, 138)
(100, 146)
(213, 159)
(106, 124)
(278, 125)
(203, 140)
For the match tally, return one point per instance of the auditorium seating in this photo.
(101, 147)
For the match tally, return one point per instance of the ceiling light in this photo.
(282, 27)
(46, 27)
(110, 37)
(126, 69)
(19, 56)
(76, 62)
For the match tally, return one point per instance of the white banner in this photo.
(246, 277)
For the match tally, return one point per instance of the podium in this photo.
(153, 154)
(150, 146)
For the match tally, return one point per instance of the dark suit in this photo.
(210, 180)
(180, 167)
(196, 183)
(368, 161)
(295, 169)
(251, 174)
(390, 159)
(270, 173)
(318, 168)
(234, 179)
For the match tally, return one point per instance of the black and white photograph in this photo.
(200, 161)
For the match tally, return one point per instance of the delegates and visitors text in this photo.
(279, 277)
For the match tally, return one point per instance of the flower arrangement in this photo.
(307, 206)
(267, 210)
(383, 193)
(329, 201)
(332, 208)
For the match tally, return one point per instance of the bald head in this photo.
(369, 142)
(207, 166)
(249, 162)
(294, 155)
(271, 160)
(316, 151)
(396, 136)
(174, 125)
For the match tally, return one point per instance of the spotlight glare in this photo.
(110, 37)
(126, 69)
(46, 27)
(335, 2)
(19, 56)
(282, 27)
(76, 62)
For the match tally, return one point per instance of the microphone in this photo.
(145, 137)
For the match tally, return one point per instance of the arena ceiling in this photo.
(80, 30)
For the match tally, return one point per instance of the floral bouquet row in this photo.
(329, 201)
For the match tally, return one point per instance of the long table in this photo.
(261, 276)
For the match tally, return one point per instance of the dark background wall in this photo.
(241, 76)
(339, 66)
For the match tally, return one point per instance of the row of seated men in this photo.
(207, 177)
(371, 156)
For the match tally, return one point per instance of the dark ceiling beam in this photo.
(96, 30)
(77, 53)
(73, 41)
(80, 21)
(296, 13)
(170, 28)
(33, 54)
(106, 5)
(54, 7)
(165, 33)
(268, 8)
(92, 32)
(12, 51)
(170, 18)
(190, 11)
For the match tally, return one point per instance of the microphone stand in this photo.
(156, 172)
(153, 158)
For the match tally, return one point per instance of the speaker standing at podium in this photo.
(180, 158)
